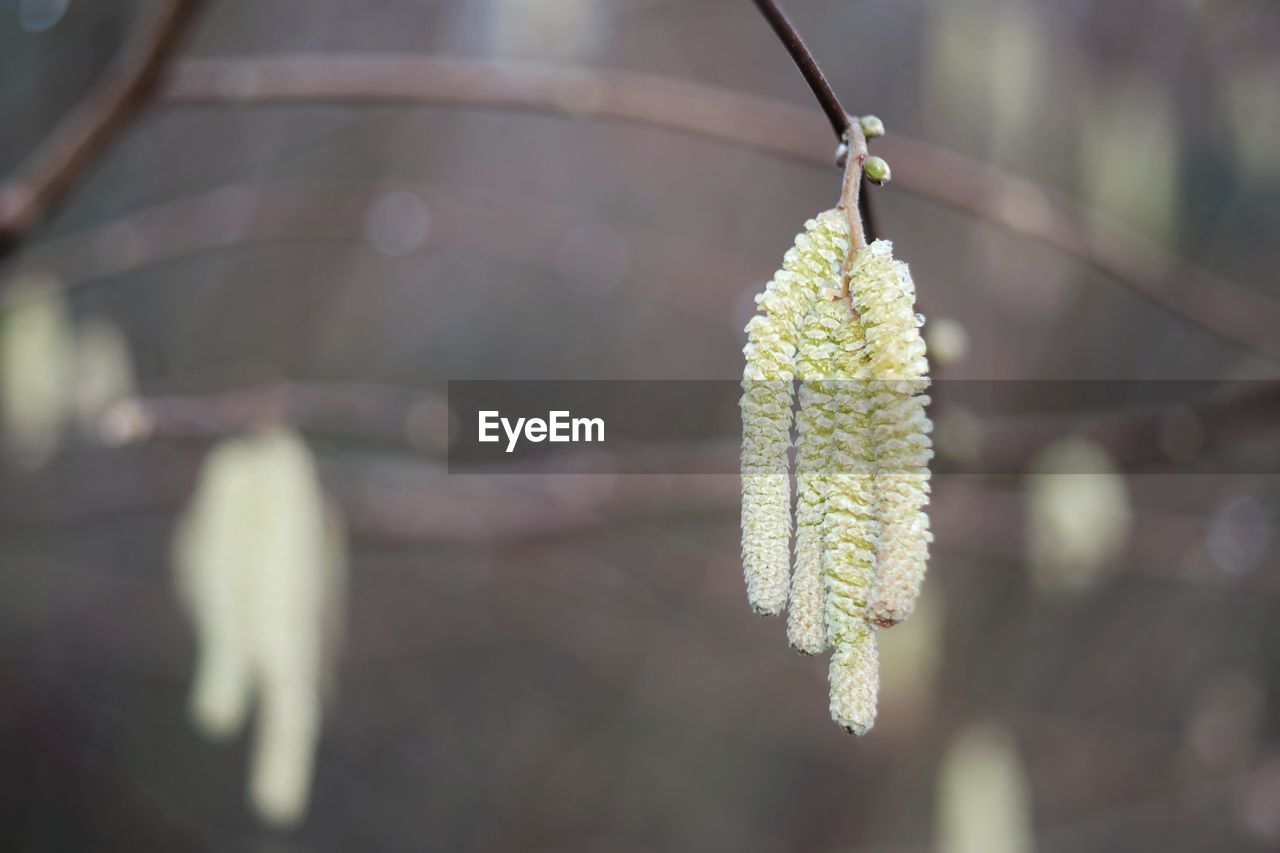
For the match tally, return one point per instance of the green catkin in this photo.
(862, 456)
(36, 371)
(850, 534)
(854, 674)
(290, 592)
(884, 297)
(806, 627)
(766, 405)
(815, 423)
(208, 562)
(259, 567)
(103, 373)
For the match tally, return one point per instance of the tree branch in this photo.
(1134, 438)
(400, 417)
(851, 192)
(854, 198)
(1016, 204)
(395, 500)
(334, 214)
(808, 65)
(27, 197)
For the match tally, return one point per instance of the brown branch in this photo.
(1135, 440)
(412, 503)
(334, 213)
(367, 412)
(854, 154)
(27, 197)
(1140, 441)
(808, 65)
(1202, 299)
(867, 212)
(854, 198)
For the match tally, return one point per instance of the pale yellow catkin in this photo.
(850, 536)
(260, 567)
(289, 601)
(766, 405)
(103, 374)
(209, 568)
(815, 422)
(854, 673)
(884, 297)
(36, 371)
(983, 796)
(862, 455)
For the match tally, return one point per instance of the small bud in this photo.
(876, 170)
(872, 126)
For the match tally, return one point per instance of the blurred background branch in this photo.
(1199, 297)
(51, 170)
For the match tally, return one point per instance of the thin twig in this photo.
(411, 501)
(854, 201)
(808, 65)
(27, 197)
(372, 413)
(854, 152)
(1016, 204)
(870, 226)
(1135, 438)
(851, 189)
(333, 214)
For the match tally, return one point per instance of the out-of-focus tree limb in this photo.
(257, 214)
(1137, 440)
(401, 502)
(1150, 439)
(240, 215)
(398, 498)
(26, 197)
(989, 194)
(364, 412)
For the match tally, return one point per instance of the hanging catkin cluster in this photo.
(862, 455)
(260, 567)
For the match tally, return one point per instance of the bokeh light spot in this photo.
(398, 223)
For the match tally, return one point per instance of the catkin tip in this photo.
(807, 649)
(765, 608)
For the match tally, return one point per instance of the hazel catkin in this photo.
(884, 296)
(862, 455)
(766, 405)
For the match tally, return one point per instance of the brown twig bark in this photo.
(1135, 439)
(1199, 297)
(334, 214)
(368, 412)
(854, 198)
(839, 117)
(395, 500)
(325, 213)
(851, 190)
(27, 197)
